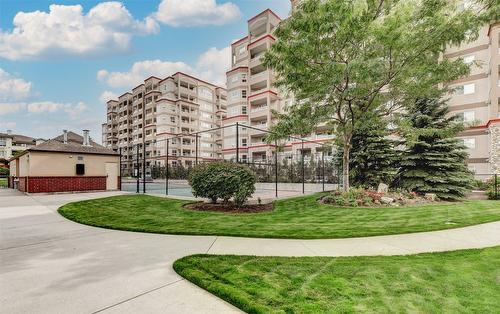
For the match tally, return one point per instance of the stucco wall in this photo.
(23, 166)
(13, 168)
(64, 164)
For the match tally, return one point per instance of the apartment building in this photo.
(476, 99)
(11, 144)
(252, 97)
(159, 109)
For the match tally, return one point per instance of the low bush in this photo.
(359, 197)
(222, 180)
(4, 171)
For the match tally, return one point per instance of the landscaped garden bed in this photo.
(230, 207)
(464, 281)
(302, 217)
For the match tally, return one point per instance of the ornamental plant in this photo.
(222, 180)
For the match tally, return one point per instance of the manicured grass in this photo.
(465, 281)
(300, 217)
(3, 183)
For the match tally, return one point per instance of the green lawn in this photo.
(465, 281)
(3, 183)
(297, 218)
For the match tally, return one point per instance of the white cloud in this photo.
(196, 12)
(65, 30)
(213, 64)
(9, 108)
(74, 111)
(210, 66)
(44, 106)
(107, 96)
(140, 71)
(12, 88)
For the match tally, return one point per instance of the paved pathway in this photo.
(51, 265)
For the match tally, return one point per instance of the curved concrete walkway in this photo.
(52, 265)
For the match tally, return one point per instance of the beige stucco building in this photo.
(11, 144)
(69, 162)
(252, 97)
(161, 109)
(476, 99)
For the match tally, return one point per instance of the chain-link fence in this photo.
(283, 167)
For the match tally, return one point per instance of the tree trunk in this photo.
(345, 166)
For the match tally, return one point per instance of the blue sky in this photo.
(59, 60)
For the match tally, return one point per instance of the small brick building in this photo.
(67, 163)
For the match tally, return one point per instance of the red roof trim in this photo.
(262, 38)
(240, 40)
(264, 12)
(264, 92)
(197, 79)
(485, 126)
(235, 69)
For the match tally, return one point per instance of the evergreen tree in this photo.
(372, 154)
(433, 160)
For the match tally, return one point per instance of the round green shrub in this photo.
(222, 180)
(4, 171)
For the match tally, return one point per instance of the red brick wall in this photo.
(22, 184)
(64, 184)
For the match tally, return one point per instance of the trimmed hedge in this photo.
(222, 180)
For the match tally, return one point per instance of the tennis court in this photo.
(264, 191)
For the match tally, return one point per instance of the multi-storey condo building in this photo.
(12, 144)
(476, 99)
(252, 96)
(159, 109)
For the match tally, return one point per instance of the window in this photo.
(243, 77)
(3, 142)
(234, 79)
(172, 119)
(242, 50)
(205, 92)
(235, 94)
(470, 143)
(466, 89)
(469, 59)
(244, 142)
(466, 116)
(243, 93)
(80, 158)
(243, 109)
(80, 169)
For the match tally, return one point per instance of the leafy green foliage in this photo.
(4, 171)
(222, 180)
(433, 160)
(342, 58)
(373, 159)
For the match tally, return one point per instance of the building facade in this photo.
(173, 108)
(67, 163)
(12, 144)
(476, 99)
(252, 97)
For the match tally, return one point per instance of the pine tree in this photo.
(433, 160)
(372, 155)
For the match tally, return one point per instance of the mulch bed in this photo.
(230, 207)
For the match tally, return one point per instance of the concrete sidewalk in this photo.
(52, 265)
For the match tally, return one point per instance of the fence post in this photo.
(303, 168)
(323, 166)
(237, 143)
(276, 166)
(137, 167)
(120, 169)
(144, 166)
(196, 149)
(166, 171)
(338, 175)
(496, 186)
